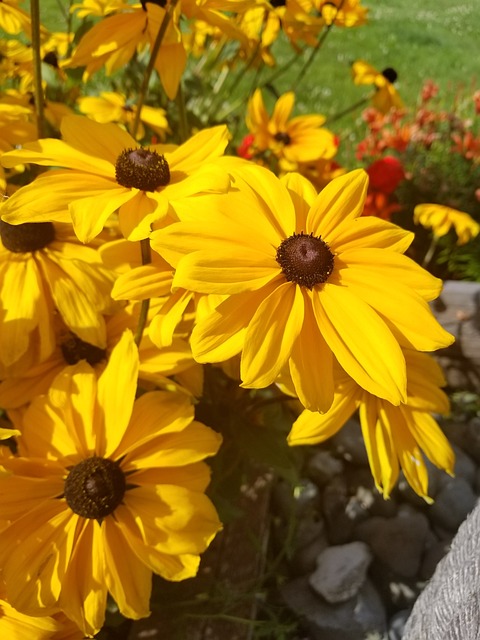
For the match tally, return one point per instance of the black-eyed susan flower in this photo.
(104, 491)
(13, 19)
(111, 43)
(396, 437)
(441, 219)
(107, 171)
(306, 278)
(299, 139)
(386, 95)
(45, 271)
(156, 366)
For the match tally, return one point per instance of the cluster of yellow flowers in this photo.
(128, 264)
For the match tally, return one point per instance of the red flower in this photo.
(385, 174)
(245, 150)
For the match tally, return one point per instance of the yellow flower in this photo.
(112, 107)
(111, 43)
(441, 219)
(105, 490)
(386, 96)
(395, 437)
(156, 366)
(300, 139)
(342, 13)
(107, 171)
(45, 271)
(96, 7)
(306, 278)
(13, 19)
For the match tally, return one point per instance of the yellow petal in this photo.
(341, 200)
(361, 342)
(89, 215)
(271, 335)
(116, 393)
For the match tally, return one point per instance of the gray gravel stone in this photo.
(360, 617)
(397, 542)
(454, 502)
(349, 444)
(341, 571)
(323, 466)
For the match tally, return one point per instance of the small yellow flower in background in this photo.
(441, 219)
(96, 7)
(106, 171)
(394, 436)
(306, 278)
(45, 271)
(13, 19)
(341, 13)
(299, 139)
(112, 107)
(111, 43)
(104, 491)
(386, 96)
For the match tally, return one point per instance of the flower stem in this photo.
(37, 68)
(151, 65)
(430, 252)
(315, 50)
(183, 126)
(142, 318)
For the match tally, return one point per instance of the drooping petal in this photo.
(380, 446)
(312, 427)
(270, 336)
(137, 215)
(361, 342)
(128, 579)
(89, 215)
(431, 439)
(311, 365)
(84, 590)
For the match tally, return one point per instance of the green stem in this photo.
(151, 65)
(37, 68)
(183, 126)
(430, 252)
(352, 107)
(142, 318)
(315, 50)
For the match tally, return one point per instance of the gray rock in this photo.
(360, 617)
(349, 444)
(310, 539)
(458, 310)
(432, 557)
(453, 503)
(323, 466)
(295, 501)
(465, 467)
(396, 625)
(334, 503)
(397, 542)
(341, 571)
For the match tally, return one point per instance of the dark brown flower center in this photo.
(95, 487)
(305, 260)
(74, 349)
(142, 169)
(283, 137)
(390, 74)
(29, 236)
